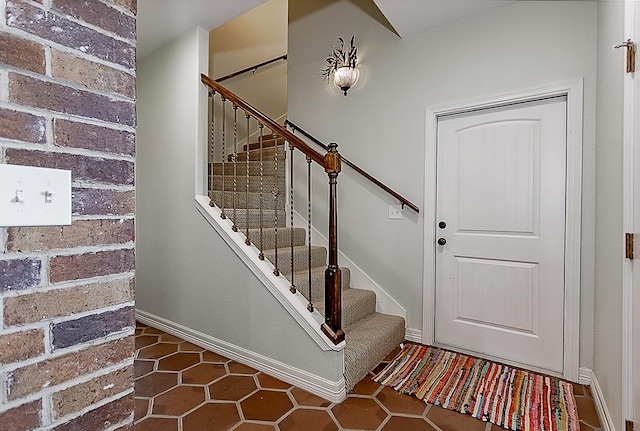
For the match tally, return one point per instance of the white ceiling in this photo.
(160, 21)
(410, 17)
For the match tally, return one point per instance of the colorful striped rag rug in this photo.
(509, 397)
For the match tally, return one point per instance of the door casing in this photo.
(573, 90)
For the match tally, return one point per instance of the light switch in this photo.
(32, 196)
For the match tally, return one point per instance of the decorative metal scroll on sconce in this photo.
(341, 65)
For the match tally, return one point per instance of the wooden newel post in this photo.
(332, 326)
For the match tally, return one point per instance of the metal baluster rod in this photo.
(310, 305)
(276, 194)
(235, 165)
(212, 146)
(261, 255)
(247, 240)
(292, 288)
(224, 121)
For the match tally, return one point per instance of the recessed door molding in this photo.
(573, 90)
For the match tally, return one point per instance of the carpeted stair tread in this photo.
(268, 202)
(368, 341)
(268, 183)
(241, 168)
(300, 258)
(284, 237)
(268, 217)
(267, 154)
(267, 141)
(356, 305)
(301, 281)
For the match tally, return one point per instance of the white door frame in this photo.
(573, 90)
(630, 350)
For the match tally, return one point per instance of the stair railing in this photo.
(219, 100)
(403, 201)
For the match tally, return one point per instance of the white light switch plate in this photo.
(34, 196)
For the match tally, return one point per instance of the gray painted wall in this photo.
(608, 263)
(185, 272)
(380, 125)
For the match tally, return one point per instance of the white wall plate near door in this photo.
(32, 196)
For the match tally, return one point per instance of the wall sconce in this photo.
(341, 66)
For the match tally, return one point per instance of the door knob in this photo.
(442, 225)
(442, 241)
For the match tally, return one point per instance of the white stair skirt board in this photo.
(295, 304)
(601, 406)
(332, 391)
(359, 279)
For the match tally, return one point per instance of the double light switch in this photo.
(32, 196)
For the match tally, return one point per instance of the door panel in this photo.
(501, 193)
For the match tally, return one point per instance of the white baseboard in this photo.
(329, 390)
(585, 376)
(414, 335)
(601, 406)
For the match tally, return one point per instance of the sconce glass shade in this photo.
(345, 77)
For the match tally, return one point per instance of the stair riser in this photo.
(300, 259)
(284, 237)
(301, 281)
(254, 201)
(267, 154)
(254, 218)
(268, 183)
(356, 304)
(254, 168)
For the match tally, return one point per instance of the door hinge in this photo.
(628, 426)
(628, 248)
(631, 54)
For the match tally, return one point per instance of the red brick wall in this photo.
(67, 100)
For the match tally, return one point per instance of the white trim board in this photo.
(295, 304)
(573, 90)
(601, 406)
(332, 391)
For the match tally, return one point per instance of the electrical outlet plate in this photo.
(395, 212)
(31, 196)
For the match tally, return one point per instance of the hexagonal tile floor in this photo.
(182, 387)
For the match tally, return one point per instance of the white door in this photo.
(500, 228)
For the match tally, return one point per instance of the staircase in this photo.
(369, 335)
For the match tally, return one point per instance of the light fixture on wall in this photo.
(341, 66)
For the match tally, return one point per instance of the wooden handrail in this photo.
(403, 201)
(323, 160)
(249, 69)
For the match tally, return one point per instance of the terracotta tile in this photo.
(213, 357)
(305, 420)
(178, 361)
(157, 351)
(448, 420)
(203, 374)
(379, 368)
(392, 354)
(232, 388)
(587, 411)
(140, 325)
(305, 398)
(168, 338)
(397, 423)
(238, 368)
(396, 402)
(366, 386)
(268, 382)
(145, 340)
(141, 408)
(155, 383)
(190, 347)
(138, 331)
(150, 330)
(178, 400)
(583, 427)
(359, 413)
(157, 424)
(266, 405)
(142, 367)
(248, 426)
(212, 417)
